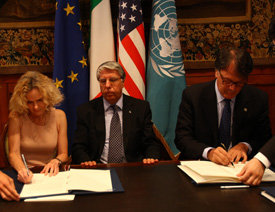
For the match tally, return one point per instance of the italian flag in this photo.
(102, 46)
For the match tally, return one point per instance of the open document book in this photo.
(203, 172)
(73, 181)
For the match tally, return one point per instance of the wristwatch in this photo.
(60, 162)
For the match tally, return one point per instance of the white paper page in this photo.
(59, 198)
(233, 170)
(90, 180)
(196, 177)
(210, 169)
(201, 179)
(44, 185)
(268, 176)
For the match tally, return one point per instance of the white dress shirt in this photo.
(108, 117)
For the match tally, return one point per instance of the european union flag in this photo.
(70, 72)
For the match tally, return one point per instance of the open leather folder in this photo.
(75, 181)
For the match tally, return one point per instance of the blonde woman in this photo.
(36, 129)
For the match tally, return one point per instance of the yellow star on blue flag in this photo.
(70, 67)
(69, 9)
(73, 76)
(58, 83)
(83, 62)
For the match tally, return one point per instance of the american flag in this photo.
(131, 46)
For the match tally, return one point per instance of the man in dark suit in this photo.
(253, 171)
(198, 131)
(93, 140)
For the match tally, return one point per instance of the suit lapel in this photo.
(100, 124)
(127, 117)
(209, 107)
(240, 112)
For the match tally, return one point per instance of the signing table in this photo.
(158, 187)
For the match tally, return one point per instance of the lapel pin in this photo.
(245, 109)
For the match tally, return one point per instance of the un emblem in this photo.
(165, 50)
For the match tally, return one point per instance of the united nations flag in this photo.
(165, 70)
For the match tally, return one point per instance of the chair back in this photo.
(4, 158)
(165, 151)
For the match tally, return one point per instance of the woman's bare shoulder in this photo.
(60, 115)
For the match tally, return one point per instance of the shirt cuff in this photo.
(205, 152)
(263, 159)
(249, 148)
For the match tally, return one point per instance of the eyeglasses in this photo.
(113, 80)
(229, 82)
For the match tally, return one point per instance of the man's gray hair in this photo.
(111, 65)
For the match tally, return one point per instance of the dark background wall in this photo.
(27, 39)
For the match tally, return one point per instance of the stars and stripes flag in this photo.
(102, 45)
(70, 72)
(131, 47)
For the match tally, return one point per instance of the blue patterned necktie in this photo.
(116, 138)
(225, 124)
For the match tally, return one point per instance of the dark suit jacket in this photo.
(197, 125)
(138, 136)
(269, 150)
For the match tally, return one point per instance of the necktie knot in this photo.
(115, 108)
(227, 101)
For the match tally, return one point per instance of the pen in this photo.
(235, 186)
(24, 161)
(223, 146)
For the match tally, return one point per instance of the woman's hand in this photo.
(52, 168)
(24, 177)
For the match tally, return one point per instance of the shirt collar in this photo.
(107, 104)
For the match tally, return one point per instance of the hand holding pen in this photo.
(25, 175)
(223, 146)
(219, 156)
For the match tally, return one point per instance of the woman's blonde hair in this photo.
(33, 79)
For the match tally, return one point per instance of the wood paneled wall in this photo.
(262, 77)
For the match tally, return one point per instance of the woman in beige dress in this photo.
(36, 129)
